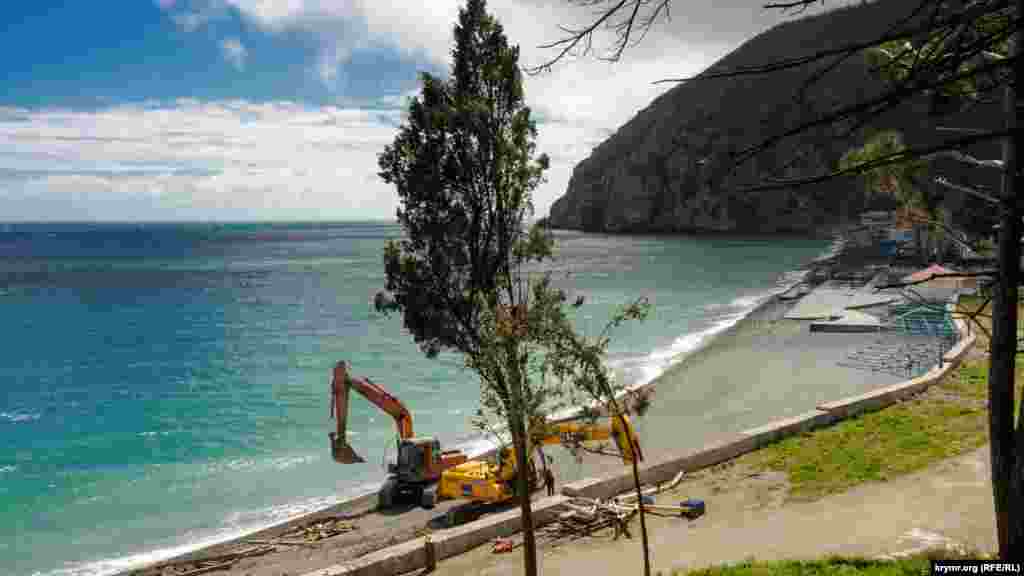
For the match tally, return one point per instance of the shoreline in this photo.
(362, 505)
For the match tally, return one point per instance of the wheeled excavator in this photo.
(480, 481)
(420, 460)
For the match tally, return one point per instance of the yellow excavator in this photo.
(420, 460)
(481, 481)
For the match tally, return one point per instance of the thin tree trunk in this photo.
(1005, 492)
(1012, 158)
(523, 492)
(639, 492)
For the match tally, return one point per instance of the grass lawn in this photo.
(834, 566)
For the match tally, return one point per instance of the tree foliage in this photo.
(903, 181)
(464, 165)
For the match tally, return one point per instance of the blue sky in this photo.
(276, 109)
(145, 52)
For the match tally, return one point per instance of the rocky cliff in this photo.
(667, 169)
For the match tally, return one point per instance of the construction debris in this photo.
(504, 545)
(317, 530)
(584, 516)
(280, 542)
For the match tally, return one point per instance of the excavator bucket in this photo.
(342, 452)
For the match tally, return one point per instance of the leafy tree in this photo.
(464, 164)
(959, 54)
(906, 182)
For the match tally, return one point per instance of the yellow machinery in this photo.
(486, 482)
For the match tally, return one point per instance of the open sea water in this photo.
(166, 386)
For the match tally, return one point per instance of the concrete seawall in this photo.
(412, 555)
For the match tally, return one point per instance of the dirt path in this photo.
(949, 503)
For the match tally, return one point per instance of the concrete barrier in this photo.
(455, 541)
(779, 429)
(875, 399)
(957, 352)
(412, 555)
(397, 559)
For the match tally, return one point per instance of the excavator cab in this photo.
(419, 460)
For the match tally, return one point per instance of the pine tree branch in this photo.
(967, 190)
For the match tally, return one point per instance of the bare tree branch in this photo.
(801, 4)
(957, 129)
(886, 100)
(968, 159)
(819, 74)
(585, 34)
(949, 231)
(966, 190)
(855, 47)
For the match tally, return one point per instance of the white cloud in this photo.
(699, 32)
(197, 15)
(240, 160)
(188, 21)
(234, 52)
(232, 160)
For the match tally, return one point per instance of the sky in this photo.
(252, 110)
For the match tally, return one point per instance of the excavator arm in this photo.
(341, 384)
(482, 481)
(577, 432)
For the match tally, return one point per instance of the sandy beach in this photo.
(765, 367)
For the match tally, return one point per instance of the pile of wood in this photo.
(322, 528)
(311, 532)
(584, 516)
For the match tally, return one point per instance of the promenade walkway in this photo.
(949, 503)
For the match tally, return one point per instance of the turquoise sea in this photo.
(166, 386)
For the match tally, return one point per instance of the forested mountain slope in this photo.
(650, 175)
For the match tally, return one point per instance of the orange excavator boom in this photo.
(341, 383)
